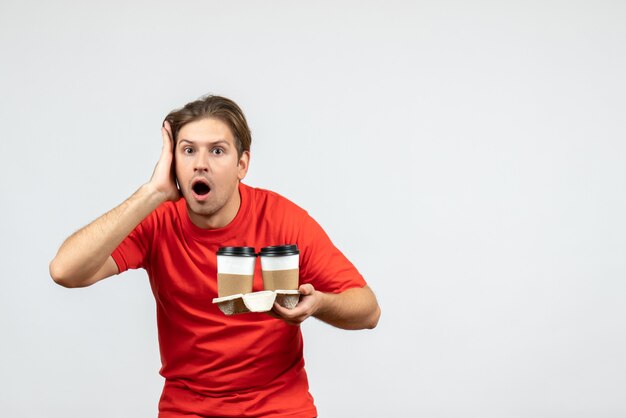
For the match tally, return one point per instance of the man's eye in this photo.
(218, 151)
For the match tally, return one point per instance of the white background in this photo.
(468, 156)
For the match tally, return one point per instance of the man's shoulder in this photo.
(269, 199)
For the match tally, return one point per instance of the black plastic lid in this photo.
(237, 251)
(279, 250)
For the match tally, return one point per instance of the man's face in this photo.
(208, 171)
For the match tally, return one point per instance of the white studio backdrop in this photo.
(468, 156)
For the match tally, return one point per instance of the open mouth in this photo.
(200, 187)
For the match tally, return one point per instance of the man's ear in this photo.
(243, 164)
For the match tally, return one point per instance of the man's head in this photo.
(216, 107)
(211, 155)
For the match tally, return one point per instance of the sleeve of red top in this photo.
(133, 250)
(321, 263)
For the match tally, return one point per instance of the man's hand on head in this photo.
(309, 304)
(85, 257)
(164, 176)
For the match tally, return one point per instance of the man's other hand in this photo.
(309, 303)
(354, 308)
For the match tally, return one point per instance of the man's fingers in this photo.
(168, 127)
(293, 316)
(282, 312)
(166, 132)
(164, 174)
(167, 153)
(302, 310)
(167, 138)
(306, 289)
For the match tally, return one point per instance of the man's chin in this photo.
(200, 208)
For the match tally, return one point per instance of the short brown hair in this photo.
(217, 107)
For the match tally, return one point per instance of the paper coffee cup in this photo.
(280, 267)
(235, 270)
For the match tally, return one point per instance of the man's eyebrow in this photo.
(217, 142)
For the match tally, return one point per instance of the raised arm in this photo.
(355, 308)
(85, 257)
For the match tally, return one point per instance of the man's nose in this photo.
(201, 162)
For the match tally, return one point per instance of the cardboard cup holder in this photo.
(262, 301)
(235, 276)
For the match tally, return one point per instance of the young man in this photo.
(215, 365)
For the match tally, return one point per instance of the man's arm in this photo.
(85, 257)
(355, 308)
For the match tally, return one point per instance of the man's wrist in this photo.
(154, 196)
(323, 299)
